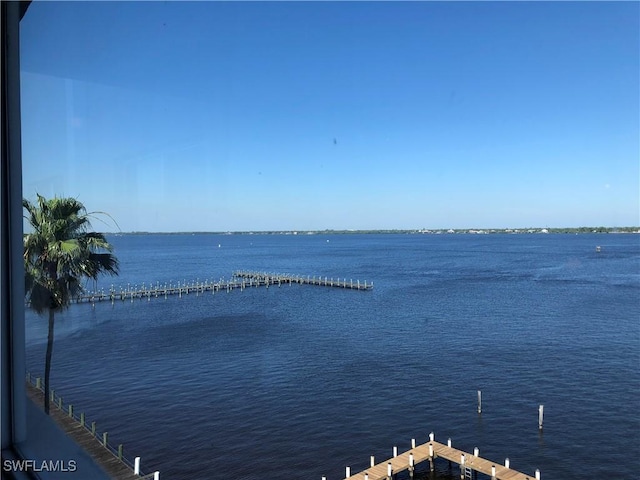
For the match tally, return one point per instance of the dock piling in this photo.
(136, 466)
(479, 401)
(540, 416)
(431, 464)
(411, 465)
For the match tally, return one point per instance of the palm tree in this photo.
(58, 254)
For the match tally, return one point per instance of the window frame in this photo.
(26, 433)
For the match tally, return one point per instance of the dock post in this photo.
(347, 472)
(493, 472)
(411, 465)
(432, 437)
(105, 436)
(449, 445)
(366, 476)
(537, 474)
(389, 471)
(479, 401)
(431, 465)
(413, 443)
(156, 475)
(395, 452)
(462, 466)
(38, 383)
(93, 428)
(120, 449)
(71, 411)
(506, 463)
(540, 416)
(82, 419)
(476, 451)
(136, 466)
(373, 461)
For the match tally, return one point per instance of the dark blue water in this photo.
(300, 381)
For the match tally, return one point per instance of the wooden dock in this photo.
(110, 459)
(239, 281)
(432, 450)
(285, 278)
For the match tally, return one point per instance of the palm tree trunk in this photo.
(47, 362)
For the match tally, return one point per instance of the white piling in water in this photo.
(506, 463)
(493, 472)
(540, 416)
(373, 461)
(537, 474)
(347, 472)
(413, 443)
(136, 466)
(479, 401)
(476, 452)
(395, 452)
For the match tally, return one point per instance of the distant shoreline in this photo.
(454, 231)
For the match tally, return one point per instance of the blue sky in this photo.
(216, 116)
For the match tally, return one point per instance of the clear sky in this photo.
(213, 116)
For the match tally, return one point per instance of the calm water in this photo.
(300, 381)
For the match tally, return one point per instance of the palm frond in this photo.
(61, 251)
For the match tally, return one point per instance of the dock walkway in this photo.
(109, 459)
(239, 281)
(432, 450)
(285, 278)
